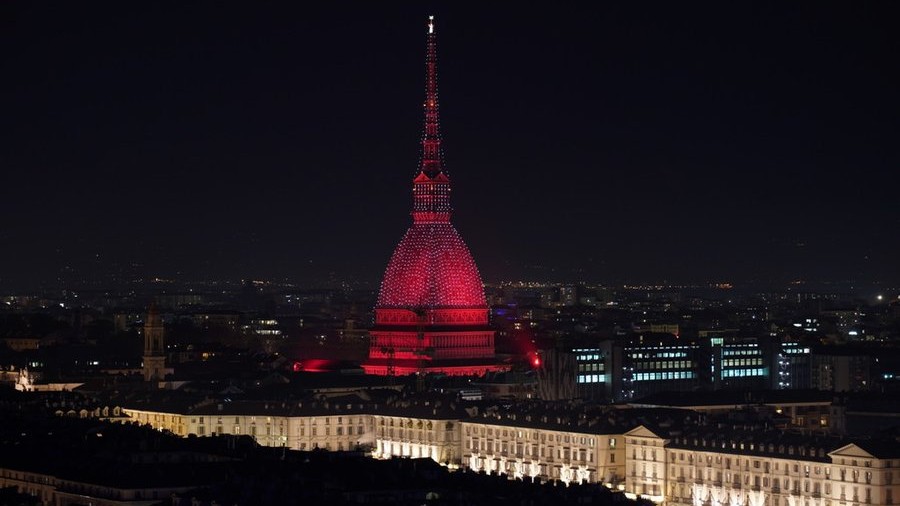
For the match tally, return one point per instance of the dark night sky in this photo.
(686, 142)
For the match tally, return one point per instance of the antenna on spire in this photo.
(431, 162)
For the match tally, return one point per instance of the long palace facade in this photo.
(667, 456)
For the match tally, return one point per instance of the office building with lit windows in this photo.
(654, 363)
(792, 366)
(645, 364)
(738, 362)
(592, 376)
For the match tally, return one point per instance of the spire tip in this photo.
(430, 24)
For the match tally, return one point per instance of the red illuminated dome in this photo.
(431, 314)
(431, 268)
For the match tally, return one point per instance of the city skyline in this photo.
(606, 145)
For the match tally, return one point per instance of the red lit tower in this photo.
(431, 314)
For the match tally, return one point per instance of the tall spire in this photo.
(432, 158)
(431, 315)
(431, 187)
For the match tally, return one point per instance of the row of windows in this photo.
(732, 362)
(658, 354)
(741, 373)
(655, 376)
(542, 436)
(672, 354)
(410, 423)
(741, 353)
(237, 420)
(338, 431)
(668, 364)
(522, 449)
(591, 378)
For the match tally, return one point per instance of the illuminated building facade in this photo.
(760, 468)
(682, 464)
(792, 364)
(667, 461)
(546, 454)
(431, 314)
(416, 437)
(655, 364)
(738, 362)
(592, 375)
(652, 363)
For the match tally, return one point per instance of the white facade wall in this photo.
(398, 436)
(544, 454)
(638, 461)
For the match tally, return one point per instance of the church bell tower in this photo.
(154, 367)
